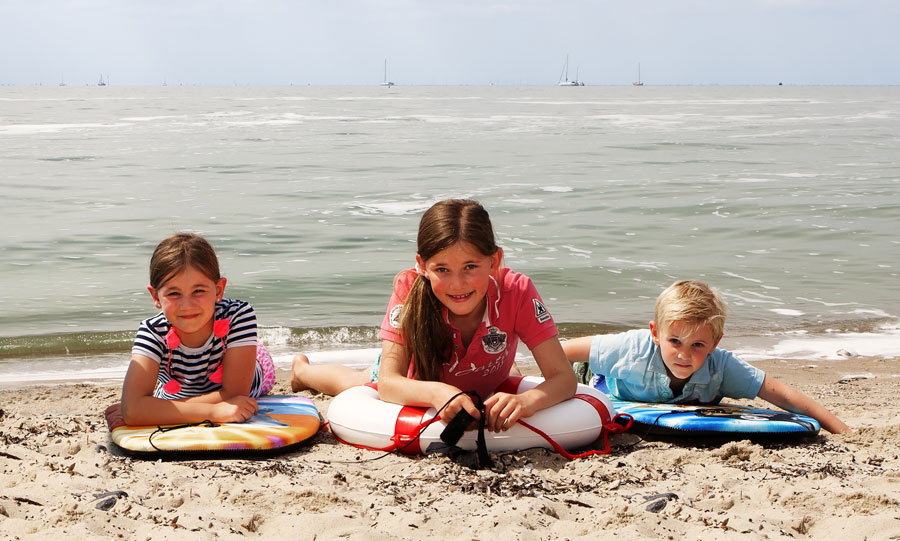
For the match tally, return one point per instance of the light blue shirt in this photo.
(634, 370)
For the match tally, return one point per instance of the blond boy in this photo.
(676, 360)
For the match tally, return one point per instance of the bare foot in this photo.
(298, 365)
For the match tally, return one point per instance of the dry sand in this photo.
(58, 478)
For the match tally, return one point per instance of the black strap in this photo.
(484, 459)
(162, 429)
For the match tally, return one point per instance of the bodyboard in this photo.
(726, 421)
(283, 423)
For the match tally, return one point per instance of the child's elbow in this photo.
(128, 414)
(130, 410)
(570, 383)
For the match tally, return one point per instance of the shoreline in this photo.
(60, 478)
(828, 349)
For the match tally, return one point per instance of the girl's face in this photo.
(460, 276)
(683, 347)
(188, 300)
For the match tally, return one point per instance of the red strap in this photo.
(406, 429)
(608, 427)
(598, 404)
(366, 447)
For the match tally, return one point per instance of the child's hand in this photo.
(461, 402)
(236, 409)
(114, 416)
(504, 410)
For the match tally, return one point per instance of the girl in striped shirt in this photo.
(198, 359)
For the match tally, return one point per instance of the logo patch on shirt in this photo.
(395, 316)
(540, 312)
(494, 341)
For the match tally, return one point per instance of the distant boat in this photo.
(564, 76)
(638, 82)
(386, 82)
(101, 83)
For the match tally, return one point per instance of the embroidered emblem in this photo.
(395, 316)
(540, 313)
(494, 341)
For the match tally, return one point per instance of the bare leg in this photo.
(330, 379)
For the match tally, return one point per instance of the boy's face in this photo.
(683, 347)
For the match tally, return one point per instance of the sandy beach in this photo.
(59, 478)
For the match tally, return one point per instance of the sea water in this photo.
(784, 198)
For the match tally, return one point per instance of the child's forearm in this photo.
(811, 408)
(829, 421)
(790, 399)
(148, 410)
(412, 392)
(550, 392)
(578, 349)
(559, 380)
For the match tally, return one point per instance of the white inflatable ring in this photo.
(358, 417)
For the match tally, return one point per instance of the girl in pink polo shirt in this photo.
(453, 324)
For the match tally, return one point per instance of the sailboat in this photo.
(386, 82)
(565, 81)
(638, 82)
(101, 83)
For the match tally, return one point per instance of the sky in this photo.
(450, 42)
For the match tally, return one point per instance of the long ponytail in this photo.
(422, 324)
(426, 335)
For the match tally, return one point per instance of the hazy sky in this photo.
(336, 42)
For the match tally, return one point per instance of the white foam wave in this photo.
(393, 208)
(29, 129)
(272, 122)
(733, 275)
(827, 304)
(350, 357)
(524, 201)
(752, 298)
(797, 175)
(151, 118)
(786, 312)
(66, 375)
(833, 346)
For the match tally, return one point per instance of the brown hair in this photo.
(693, 302)
(422, 324)
(178, 252)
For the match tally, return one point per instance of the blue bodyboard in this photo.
(720, 420)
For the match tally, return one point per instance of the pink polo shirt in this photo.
(514, 310)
